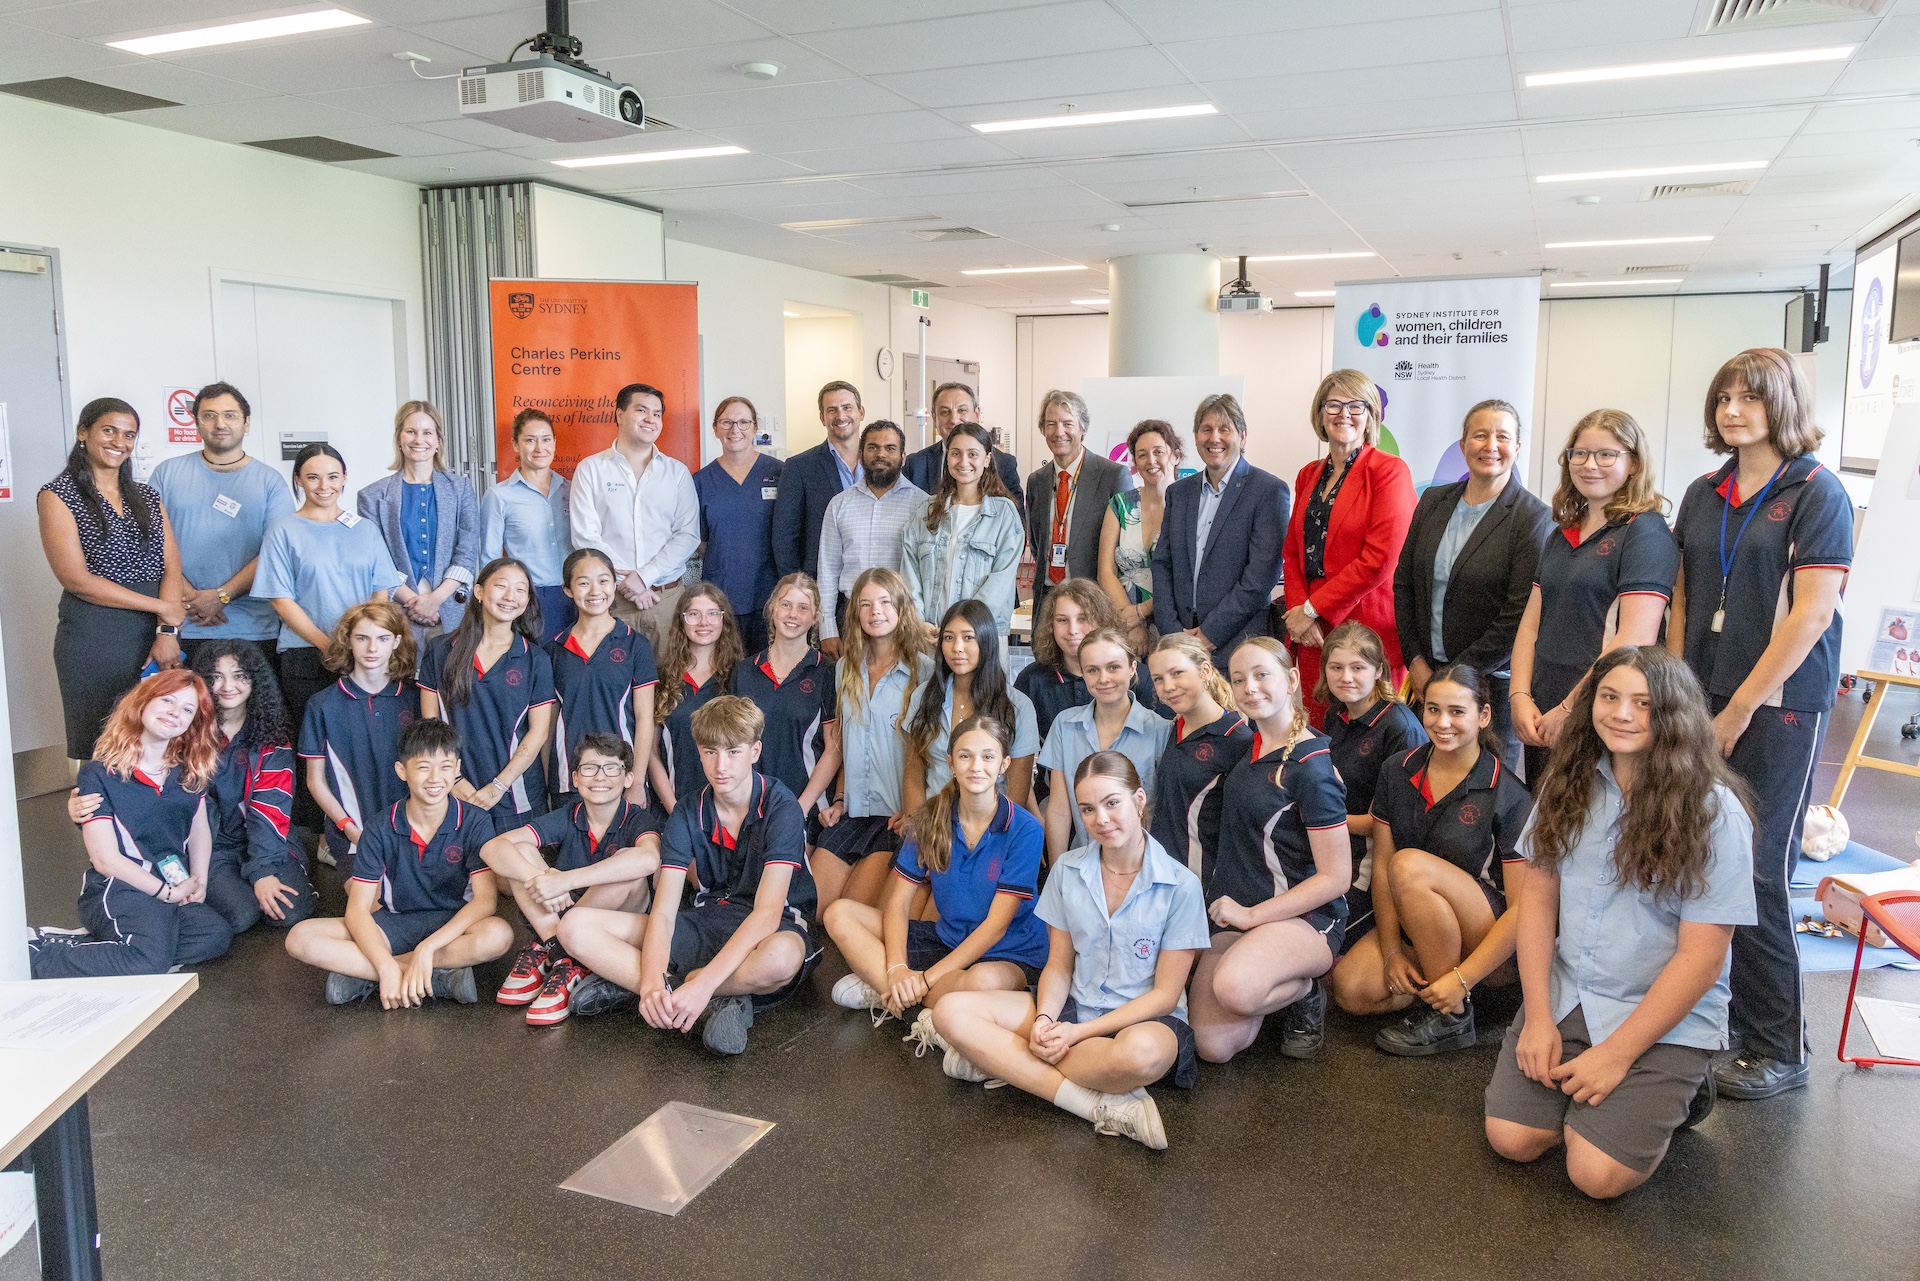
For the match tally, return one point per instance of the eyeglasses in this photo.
(736, 422)
(1579, 457)
(232, 417)
(703, 616)
(603, 769)
(1345, 409)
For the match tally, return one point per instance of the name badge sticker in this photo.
(226, 506)
(349, 519)
(769, 492)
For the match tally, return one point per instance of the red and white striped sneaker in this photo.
(528, 975)
(555, 1001)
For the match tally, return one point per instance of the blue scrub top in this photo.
(219, 521)
(325, 567)
(736, 524)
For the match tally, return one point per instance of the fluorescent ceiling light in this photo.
(294, 24)
(1643, 240)
(1690, 66)
(643, 157)
(1588, 284)
(1216, 200)
(1020, 271)
(1313, 293)
(1365, 253)
(1655, 171)
(1089, 302)
(1075, 118)
(824, 224)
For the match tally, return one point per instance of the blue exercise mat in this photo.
(1851, 861)
(1819, 955)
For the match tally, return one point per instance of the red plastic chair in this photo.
(1897, 913)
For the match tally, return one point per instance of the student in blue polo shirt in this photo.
(980, 854)
(527, 516)
(1114, 721)
(1124, 922)
(968, 679)
(1625, 918)
(1446, 823)
(1771, 528)
(603, 677)
(607, 848)
(747, 938)
(1069, 613)
(1604, 578)
(1277, 897)
(350, 736)
(737, 492)
(219, 503)
(1208, 739)
(696, 664)
(149, 840)
(420, 904)
(792, 683)
(1366, 727)
(490, 679)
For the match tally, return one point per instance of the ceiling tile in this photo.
(257, 118)
(777, 102)
(799, 16)
(351, 59)
(979, 39)
(1110, 78)
(1475, 34)
(881, 127)
(1170, 22)
(1417, 115)
(712, 68)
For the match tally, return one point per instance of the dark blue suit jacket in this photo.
(808, 482)
(929, 465)
(1242, 561)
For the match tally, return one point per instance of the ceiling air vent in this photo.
(66, 91)
(1685, 190)
(950, 233)
(1747, 15)
(1668, 269)
(330, 150)
(901, 282)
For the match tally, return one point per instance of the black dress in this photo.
(99, 650)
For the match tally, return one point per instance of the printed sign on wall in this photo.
(569, 346)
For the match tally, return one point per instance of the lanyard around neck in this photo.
(1728, 556)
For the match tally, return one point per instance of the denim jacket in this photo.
(984, 569)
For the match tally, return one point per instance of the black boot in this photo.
(1303, 1025)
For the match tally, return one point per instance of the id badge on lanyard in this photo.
(1059, 560)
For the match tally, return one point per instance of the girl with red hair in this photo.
(149, 843)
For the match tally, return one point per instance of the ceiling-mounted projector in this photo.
(553, 95)
(1240, 295)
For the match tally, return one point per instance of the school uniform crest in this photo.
(514, 677)
(454, 855)
(1604, 547)
(1366, 747)
(1203, 753)
(1143, 948)
(1779, 509)
(1469, 814)
(806, 685)
(617, 655)
(993, 868)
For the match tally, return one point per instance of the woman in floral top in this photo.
(1132, 525)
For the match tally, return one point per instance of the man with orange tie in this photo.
(1067, 497)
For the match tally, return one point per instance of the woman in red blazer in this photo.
(1350, 515)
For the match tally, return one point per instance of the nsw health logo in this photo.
(1372, 327)
(1872, 313)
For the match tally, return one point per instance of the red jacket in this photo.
(1369, 523)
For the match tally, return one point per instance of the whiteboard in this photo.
(1885, 571)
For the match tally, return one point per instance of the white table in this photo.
(43, 1112)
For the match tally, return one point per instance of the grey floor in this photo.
(260, 1134)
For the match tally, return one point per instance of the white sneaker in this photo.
(854, 993)
(923, 1037)
(960, 1068)
(1130, 1116)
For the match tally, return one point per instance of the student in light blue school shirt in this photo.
(1626, 922)
(526, 517)
(220, 503)
(967, 666)
(1125, 923)
(1113, 721)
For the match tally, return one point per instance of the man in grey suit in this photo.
(1067, 497)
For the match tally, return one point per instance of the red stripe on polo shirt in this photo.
(573, 647)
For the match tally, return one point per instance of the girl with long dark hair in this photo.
(603, 676)
(490, 679)
(696, 662)
(965, 541)
(969, 679)
(1640, 867)
(108, 542)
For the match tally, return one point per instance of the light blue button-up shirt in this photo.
(1614, 941)
(1073, 738)
(518, 520)
(1114, 956)
(1209, 508)
(1025, 730)
(874, 745)
(1453, 539)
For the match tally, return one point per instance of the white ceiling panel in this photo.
(619, 30)
(882, 127)
(1475, 34)
(712, 68)
(1554, 26)
(255, 119)
(1896, 37)
(351, 59)
(1732, 89)
(1424, 116)
(405, 13)
(899, 155)
(1614, 136)
(1126, 139)
(468, 166)
(1880, 75)
(1174, 22)
(802, 16)
(30, 54)
(176, 84)
(1423, 81)
(104, 19)
(1115, 78)
(777, 102)
(979, 39)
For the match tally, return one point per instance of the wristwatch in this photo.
(225, 597)
(167, 629)
(1311, 612)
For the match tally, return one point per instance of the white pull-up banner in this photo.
(1435, 348)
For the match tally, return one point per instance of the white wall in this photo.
(579, 237)
(820, 350)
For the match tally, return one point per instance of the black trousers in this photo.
(302, 675)
(1775, 759)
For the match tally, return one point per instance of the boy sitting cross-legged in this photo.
(749, 931)
(420, 904)
(608, 847)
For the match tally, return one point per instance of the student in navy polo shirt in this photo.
(607, 848)
(1109, 1015)
(697, 660)
(603, 677)
(737, 492)
(350, 737)
(149, 841)
(1209, 738)
(747, 935)
(1604, 580)
(792, 683)
(1278, 890)
(980, 854)
(1765, 544)
(490, 680)
(1446, 827)
(1366, 727)
(420, 904)
(1068, 614)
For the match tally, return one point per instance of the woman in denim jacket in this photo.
(966, 541)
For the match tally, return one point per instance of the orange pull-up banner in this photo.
(569, 346)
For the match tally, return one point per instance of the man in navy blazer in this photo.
(812, 478)
(1229, 521)
(953, 404)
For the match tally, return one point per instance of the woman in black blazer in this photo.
(1474, 546)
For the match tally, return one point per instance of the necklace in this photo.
(235, 465)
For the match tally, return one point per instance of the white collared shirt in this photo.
(651, 524)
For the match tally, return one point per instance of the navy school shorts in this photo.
(702, 929)
(925, 948)
(852, 839)
(1185, 1071)
(404, 930)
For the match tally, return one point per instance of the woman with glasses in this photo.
(1604, 582)
(1349, 522)
(737, 491)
